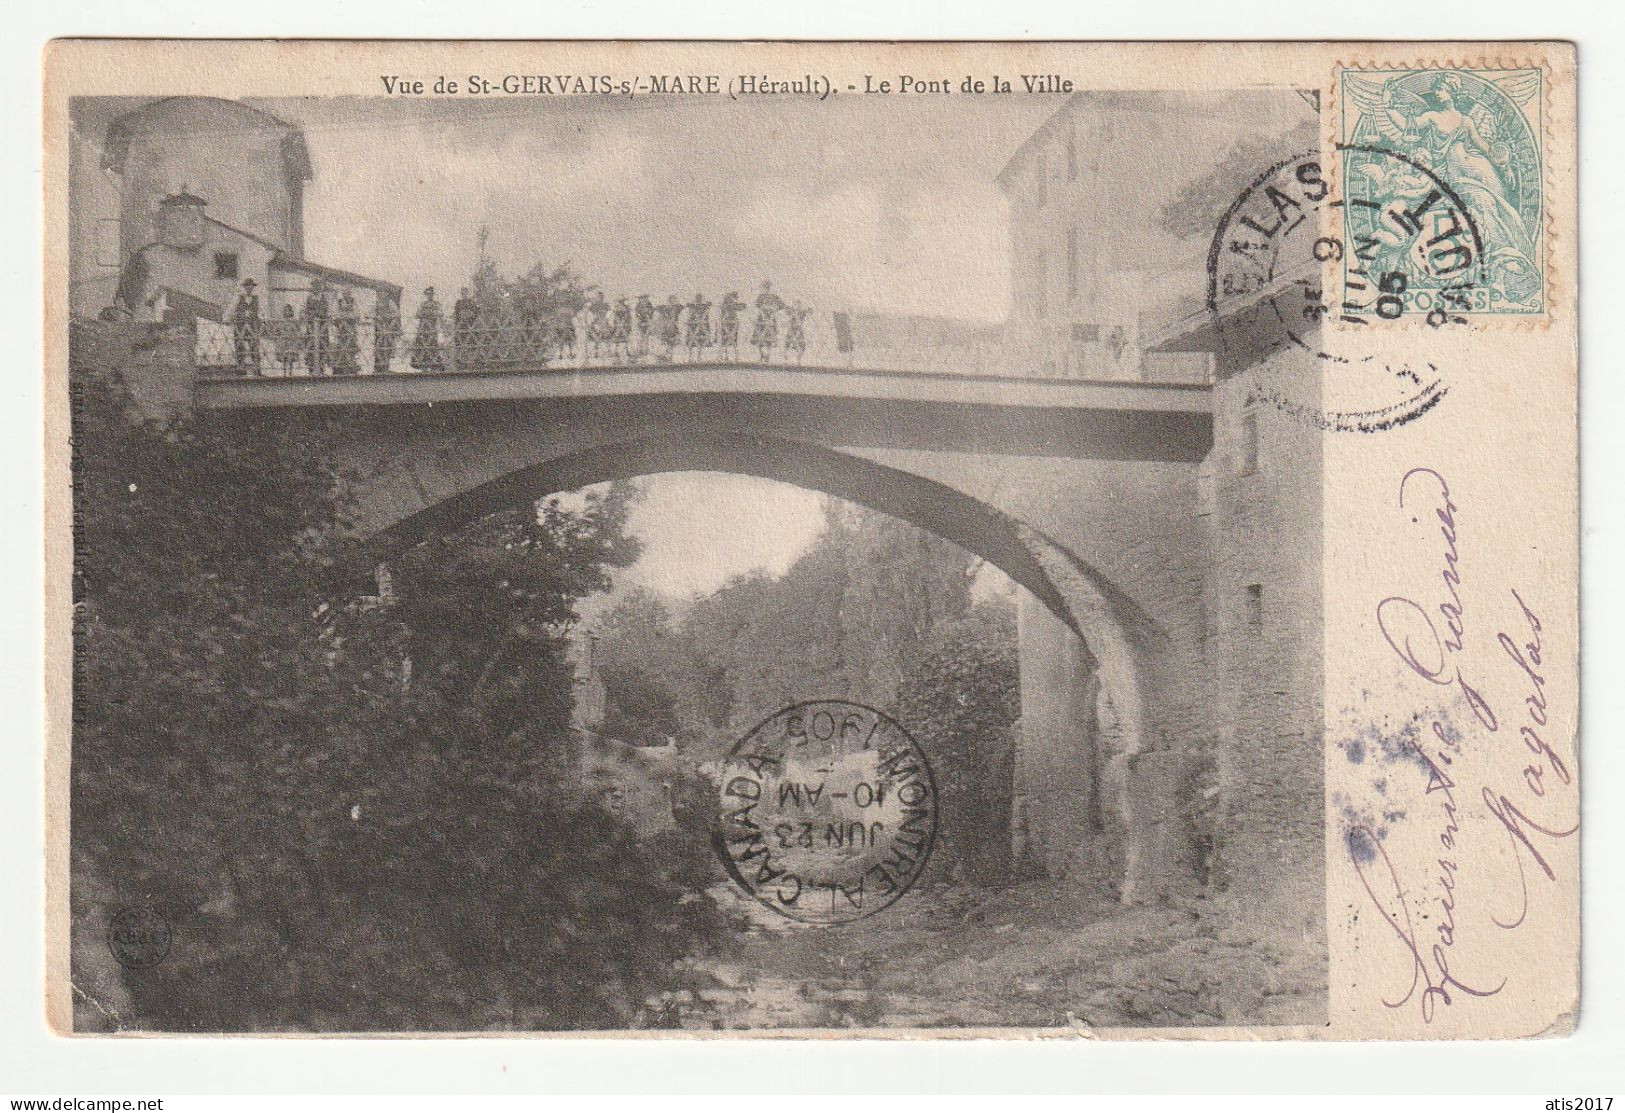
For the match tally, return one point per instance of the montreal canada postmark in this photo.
(828, 812)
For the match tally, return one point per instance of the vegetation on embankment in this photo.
(347, 813)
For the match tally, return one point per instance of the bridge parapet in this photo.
(348, 345)
(826, 405)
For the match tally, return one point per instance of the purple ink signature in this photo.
(1444, 659)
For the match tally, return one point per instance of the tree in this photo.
(842, 622)
(541, 289)
(1195, 212)
(639, 710)
(961, 700)
(651, 682)
(338, 842)
(484, 608)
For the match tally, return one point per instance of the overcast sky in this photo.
(883, 204)
(700, 528)
(863, 203)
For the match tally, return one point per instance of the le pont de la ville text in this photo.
(738, 85)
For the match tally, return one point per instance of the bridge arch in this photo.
(1121, 638)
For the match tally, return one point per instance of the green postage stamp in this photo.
(1442, 173)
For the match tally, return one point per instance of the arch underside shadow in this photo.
(1118, 634)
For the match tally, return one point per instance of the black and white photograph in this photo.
(492, 569)
(734, 549)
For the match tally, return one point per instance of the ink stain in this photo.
(1361, 847)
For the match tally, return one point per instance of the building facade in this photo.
(251, 166)
(1110, 225)
(176, 202)
(1109, 201)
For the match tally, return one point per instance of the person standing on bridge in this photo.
(286, 336)
(765, 336)
(426, 342)
(670, 314)
(644, 311)
(346, 336)
(598, 328)
(564, 323)
(728, 326)
(386, 331)
(318, 342)
(795, 331)
(699, 327)
(246, 329)
(620, 329)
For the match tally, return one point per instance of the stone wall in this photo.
(1060, 830)
(1223, 791)
(1196, 765)
(1262, 528)
(1109, 807)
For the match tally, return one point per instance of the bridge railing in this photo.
(282, 347)
(290, 347)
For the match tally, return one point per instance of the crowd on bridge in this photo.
(331, 337)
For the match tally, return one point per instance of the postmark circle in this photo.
(827, 812)
(1283, 269)
(139, 937)
(1412, 245)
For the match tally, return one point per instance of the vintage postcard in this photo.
(741, 539)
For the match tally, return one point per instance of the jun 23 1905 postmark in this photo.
(828, 812)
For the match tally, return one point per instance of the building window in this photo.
(1041, 182)
(1071, 152)
(1247, 450)
(1255, 607)
(225, 264)
(386, 585)
(1041, 284)
(1072, 262)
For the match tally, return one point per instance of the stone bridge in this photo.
(1082, 492)
(1167, 534)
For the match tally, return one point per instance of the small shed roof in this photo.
(284, 261)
